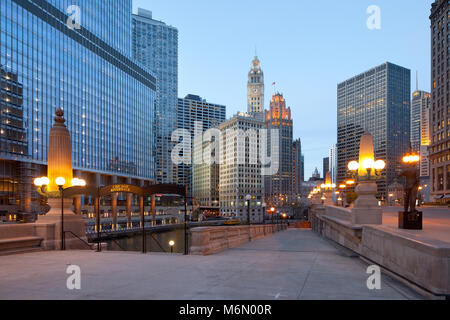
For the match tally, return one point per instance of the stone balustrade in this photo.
(211, 240)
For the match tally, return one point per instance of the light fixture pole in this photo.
(60, 182)
(248, 198)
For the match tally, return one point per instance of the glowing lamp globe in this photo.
(353, 166)
(38, 182)
(380, 165)
(60, 181)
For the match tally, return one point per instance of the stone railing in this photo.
(211, 240)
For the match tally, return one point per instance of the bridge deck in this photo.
(294, 264)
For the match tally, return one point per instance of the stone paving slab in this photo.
(296, 264)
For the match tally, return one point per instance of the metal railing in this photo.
(73, 234)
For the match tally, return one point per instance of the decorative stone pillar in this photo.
(366, 209)
(60, 165)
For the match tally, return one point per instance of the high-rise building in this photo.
(240, 171)
(255, 88)
(325, 167)
(155, 45)
(420, 107)
(278, 187)
(378, 101)
(298, 166)
(205, 176)
(440, 111)
(107, 98)
(333, 163)
(194, 112)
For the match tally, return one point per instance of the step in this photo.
(20, 251)
(19, 243)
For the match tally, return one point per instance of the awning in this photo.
(438, 197)
(447, 196)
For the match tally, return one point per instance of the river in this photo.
(156, 242)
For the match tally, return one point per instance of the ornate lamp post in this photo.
(60, 178)
(366, 172)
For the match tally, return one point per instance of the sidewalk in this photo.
(296, 264)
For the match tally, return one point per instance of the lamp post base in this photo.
(410, 220)
(49, 227)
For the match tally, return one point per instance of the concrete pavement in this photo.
(295, 264)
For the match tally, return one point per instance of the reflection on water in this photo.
(156, 242)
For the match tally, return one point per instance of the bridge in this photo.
(296, 264)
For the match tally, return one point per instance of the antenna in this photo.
(417, 80)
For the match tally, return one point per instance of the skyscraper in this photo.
(420, 106)
(325, 167)
(255, 88)
(240, 171)
(298, 166)
(378, 101)
(155, 45)
(279, 187)
(333, 163)
(440, 110)
(193, 110)
(108, 99)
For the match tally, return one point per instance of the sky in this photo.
(306, 47)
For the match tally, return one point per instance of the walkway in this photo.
(294, 264)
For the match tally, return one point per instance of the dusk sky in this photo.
(306, 47)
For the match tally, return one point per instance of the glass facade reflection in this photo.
(378, 101)
(155, 45)
(108, 99)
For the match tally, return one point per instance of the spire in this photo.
(417, 80)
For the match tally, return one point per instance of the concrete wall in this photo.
(211, 240)
(424, 263)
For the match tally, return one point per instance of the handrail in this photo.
(73, 234)
(157, 242)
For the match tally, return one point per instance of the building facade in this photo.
(378, 101)
(155, 45)
(255, 88)
(440, 110)
(297, 166)
(325, 167)
(420, 137)
(333, 163)
(196, 115)
(107, 98)
(240, 171)
(279, 187)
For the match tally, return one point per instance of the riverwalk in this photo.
(296, 264)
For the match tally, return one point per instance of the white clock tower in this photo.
(255, 88)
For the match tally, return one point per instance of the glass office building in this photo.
(155, 45)
(108, 98)
(378, 101)
(194, 110)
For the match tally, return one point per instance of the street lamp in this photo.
(60, 182)
(171, 244)
(248, 198)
